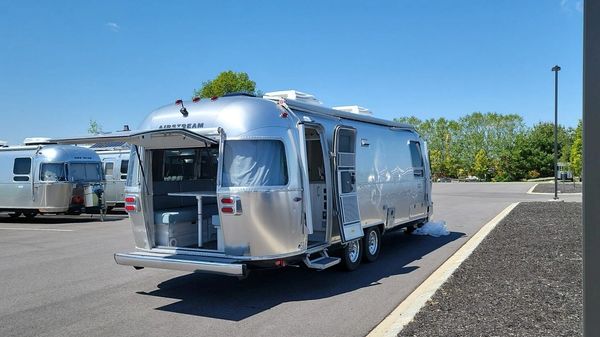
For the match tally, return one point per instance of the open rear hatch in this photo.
(164, 255)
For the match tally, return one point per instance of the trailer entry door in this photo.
(345, 172)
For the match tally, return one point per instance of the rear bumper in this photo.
(189, 263)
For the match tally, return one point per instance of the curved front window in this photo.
(53, 172)
(85, 172)
(250, 163)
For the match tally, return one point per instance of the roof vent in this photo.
(293, 94)
(3, 143)
(355, 109)
(38, 141)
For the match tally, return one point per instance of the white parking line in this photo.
(37, 229)
(406, 311)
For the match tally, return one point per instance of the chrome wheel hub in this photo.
(373, 243)
(353, 251)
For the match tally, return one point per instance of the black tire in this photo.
(371, 244)
(410, 229)
(14, 215)
(30, 215)
(352, 255)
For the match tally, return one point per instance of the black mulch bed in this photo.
(566, 187)
(524, 279)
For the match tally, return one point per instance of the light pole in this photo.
(556, 69)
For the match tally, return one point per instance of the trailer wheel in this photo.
(14, 215)
(352, 255)
(30, 215)
(372, 244)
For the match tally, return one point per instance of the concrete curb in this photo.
(406, 311)
(544, 193)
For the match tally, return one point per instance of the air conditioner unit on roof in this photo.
(293, 94)
(355, 109)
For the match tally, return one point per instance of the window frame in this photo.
(65, 171)
(22, 177)
(256, 188)
(105, 171)
(123, 175)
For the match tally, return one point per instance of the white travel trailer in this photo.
(228, 184)
(115, 163)
(38, 178)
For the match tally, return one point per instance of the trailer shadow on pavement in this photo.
(231, 299)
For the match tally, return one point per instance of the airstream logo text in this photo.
(180, 126)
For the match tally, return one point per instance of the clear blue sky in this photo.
(63, 63)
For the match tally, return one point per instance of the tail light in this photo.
(130, 203)
(77, 200)
(231, 205)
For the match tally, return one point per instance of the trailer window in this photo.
(22, 166)
(185, 164)
(132, 167)
(85, 172)
(108, 169)
(21, 169)
(254, 163)
(415, 154)
(124, 168)
(53, 172)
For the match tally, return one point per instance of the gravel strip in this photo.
(566, 187)
(524, 279)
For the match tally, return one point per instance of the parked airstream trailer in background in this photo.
(232, 183)
(115, 162)
(39, 177)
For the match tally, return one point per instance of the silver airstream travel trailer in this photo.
(115, 162)
(232, 183)
(38, 178)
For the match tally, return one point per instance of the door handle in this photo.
(418, 172)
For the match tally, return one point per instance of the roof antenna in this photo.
(183, 110)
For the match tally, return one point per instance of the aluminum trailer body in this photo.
(115, 162)
(38, 179)
(237, 182)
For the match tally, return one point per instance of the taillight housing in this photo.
(130, 203)
(231, 205)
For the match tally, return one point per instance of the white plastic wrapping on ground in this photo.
(433, 228)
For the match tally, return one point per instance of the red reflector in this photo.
(130, 208)
(178, 102)
(77, 199)
(227, 200)
(228, 210)
(130, 200)
(283, 115)
(196, 99)
(214, 98)
(280, 263)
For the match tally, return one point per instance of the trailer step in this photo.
(324, 261)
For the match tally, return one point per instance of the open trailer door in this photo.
(344, 143)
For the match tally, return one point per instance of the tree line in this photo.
(496, 147)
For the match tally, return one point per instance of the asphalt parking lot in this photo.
(59, 278)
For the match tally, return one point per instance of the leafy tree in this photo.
(226, 82)
(576, 154)
(94, 128)
(481, 165)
